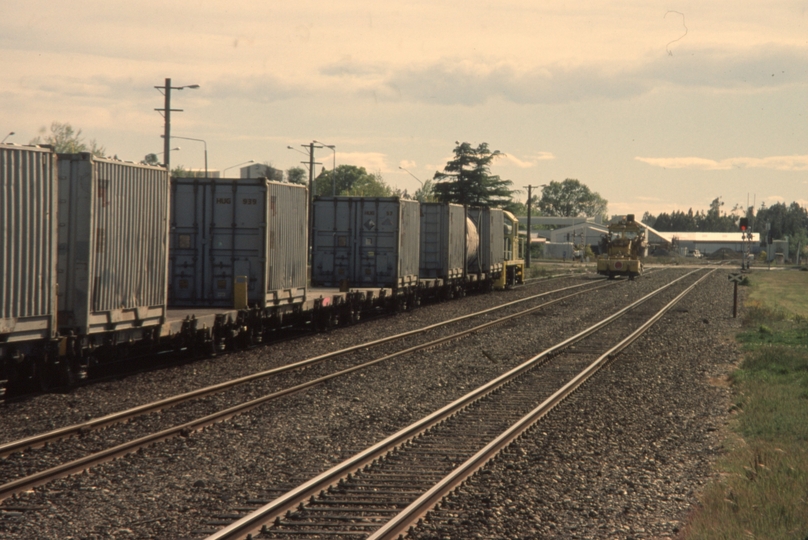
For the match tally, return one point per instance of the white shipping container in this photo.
(448, 239)
(490, 223)
(366, 242)
(224, 229)
(113, 244)
(28, 234)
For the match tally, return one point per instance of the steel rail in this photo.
(407, 518)
(121, 416)
(252, 523)
(81, 464)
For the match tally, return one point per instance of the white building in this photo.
(705, 242)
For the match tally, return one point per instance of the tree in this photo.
(67, 141)
(181, 172)
(352, 181)
(649, 219)
(426, 193)
(785, 221)
(467, 179)
(571, 198)
(151, 159)
(711, 221)
(296, 175)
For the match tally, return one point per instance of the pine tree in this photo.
(467, 179)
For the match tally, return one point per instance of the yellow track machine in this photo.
(622, 248)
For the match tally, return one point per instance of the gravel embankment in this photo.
(54, 410)
(172, 489)
(627, 455)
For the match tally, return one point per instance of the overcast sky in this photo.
(655, 105)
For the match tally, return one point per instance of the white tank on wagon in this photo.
(366, 242)
(223, 230)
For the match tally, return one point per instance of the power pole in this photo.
(166, 112)
(527, 250)
(311, 146)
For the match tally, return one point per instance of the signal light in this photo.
(744, 224)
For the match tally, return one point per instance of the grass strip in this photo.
(762, 488)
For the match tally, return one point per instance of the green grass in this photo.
(762, 491)
(784, 290)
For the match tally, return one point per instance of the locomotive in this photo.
(105, 260)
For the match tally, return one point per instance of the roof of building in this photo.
(583, 224)
(712, 237)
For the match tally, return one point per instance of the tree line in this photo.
(775, 222)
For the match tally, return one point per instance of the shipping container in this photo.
(223, 231)
(446, 241)
(113, 244)
(365, 242)
(490, 223)
(28, 236)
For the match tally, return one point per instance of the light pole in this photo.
(166, 112)
(333, 168)
(224, 172)
(206, 149)
(10, 133)
(408, 172)
(161, 153)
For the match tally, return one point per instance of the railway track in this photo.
(384, 490)
(30, 481)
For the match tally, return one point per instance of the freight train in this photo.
(104, 260)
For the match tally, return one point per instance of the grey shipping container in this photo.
(113, 244)
(28, 234)
(490, 223)
(223, 229)
(365, 242)
(443, 241)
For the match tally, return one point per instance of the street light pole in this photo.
(408, 172)
(206, 149)
(224, 172)
(166, 110)
(7, 136)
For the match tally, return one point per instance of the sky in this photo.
(657, 106)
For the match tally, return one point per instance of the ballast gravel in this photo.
(616, 465)
(627, 455)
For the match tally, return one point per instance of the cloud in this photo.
(778, 163)
(264, 88)
(349, 68)
(371, 161)
(407, 164)
(530, 161)
(469, 82)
